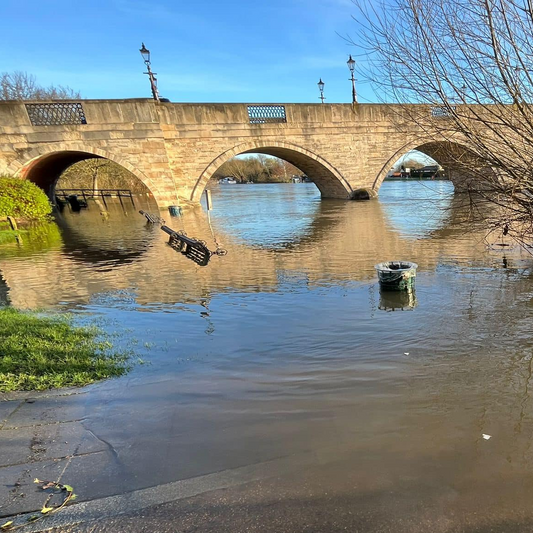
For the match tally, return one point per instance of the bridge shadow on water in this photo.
(107, 240)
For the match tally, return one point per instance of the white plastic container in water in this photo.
(396, 275)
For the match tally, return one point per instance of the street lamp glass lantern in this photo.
(145, 53)
(320, 85)
(351, 64)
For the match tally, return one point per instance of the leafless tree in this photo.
(23, 86)
(100, 173)
(470, 63)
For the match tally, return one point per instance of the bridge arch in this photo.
(326, 177)
(447, 153)
(43, 166)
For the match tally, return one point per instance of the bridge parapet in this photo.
(14, 114)
(175, 148)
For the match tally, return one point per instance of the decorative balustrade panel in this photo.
(264, 114)
(56, 114)
(442, 111)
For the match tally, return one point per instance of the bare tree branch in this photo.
(471, 62)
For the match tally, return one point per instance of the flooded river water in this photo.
(285, 349)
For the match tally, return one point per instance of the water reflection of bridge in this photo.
(341, 244)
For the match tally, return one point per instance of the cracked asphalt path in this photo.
(42, 436)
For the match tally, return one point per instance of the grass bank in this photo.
(29, 239)
(8, 236)
(39, 352)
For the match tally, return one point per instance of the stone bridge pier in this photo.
(174, 149)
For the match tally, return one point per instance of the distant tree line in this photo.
(99, 173)
(23, 86)
(408, 163)
(258, 169)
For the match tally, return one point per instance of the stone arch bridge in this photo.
(174, 149)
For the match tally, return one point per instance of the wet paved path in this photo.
(43, 437)
(329, 489)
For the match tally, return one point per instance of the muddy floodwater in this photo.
(285, 350)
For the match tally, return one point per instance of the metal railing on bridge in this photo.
(266, 114)
(56, 113)
(64, 195)
(441, 111)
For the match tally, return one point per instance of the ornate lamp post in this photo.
(321, 89)
(351, 66)
(151, 75)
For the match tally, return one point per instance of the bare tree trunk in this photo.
(95, 181)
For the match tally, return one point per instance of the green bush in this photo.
(23, 200)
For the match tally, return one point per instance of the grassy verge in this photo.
(8, 236)
(44, 352)
(29, 239)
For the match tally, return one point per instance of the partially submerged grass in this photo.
(8, 235)
(28, 239)
(39, 352)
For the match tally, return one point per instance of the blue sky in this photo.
(202, 50)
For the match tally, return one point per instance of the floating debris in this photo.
(153, 219)
(191, 248)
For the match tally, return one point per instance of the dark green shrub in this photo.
(23, 199)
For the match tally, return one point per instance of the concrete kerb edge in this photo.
(111, 506)
(37, 395)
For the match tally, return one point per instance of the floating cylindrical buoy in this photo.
(174, 210)
(396, 275)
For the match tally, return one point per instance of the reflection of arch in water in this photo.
(457, 160)
(44, 167)
(343, 245)
(464, 214)
(324, 223)
(326, 177)
(99, 243)
(343, 229)
(325, 219)
(422, 208)
(271, 217)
